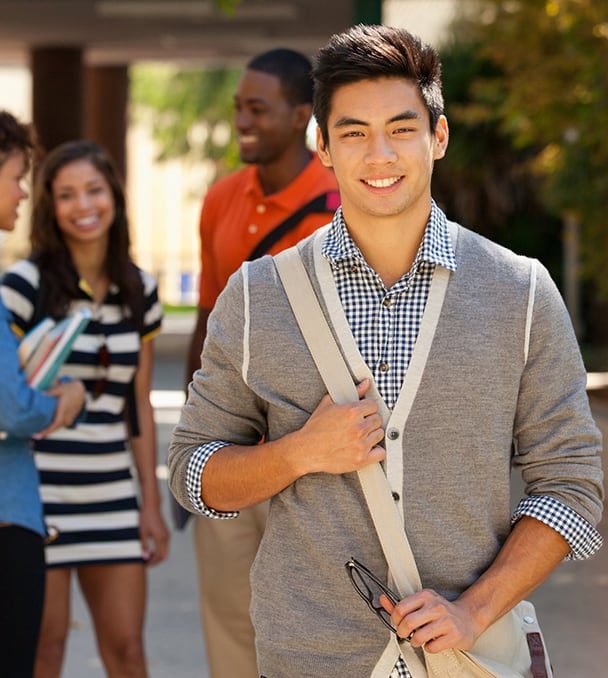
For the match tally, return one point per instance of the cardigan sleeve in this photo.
(558, 446)
(220, 405)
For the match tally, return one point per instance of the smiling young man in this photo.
(503, 368)
(282, 196)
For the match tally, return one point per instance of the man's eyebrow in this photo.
(249, 100)
(345, 122)
(404, 115)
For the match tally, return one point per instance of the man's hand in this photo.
(340, 438)
(70, 399)
(428, 619)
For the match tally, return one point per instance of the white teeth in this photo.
(248, 139)
(86, 221)
(382, 183)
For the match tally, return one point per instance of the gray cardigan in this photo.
(450, 464)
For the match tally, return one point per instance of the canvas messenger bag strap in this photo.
(377, 491)
(326, 202)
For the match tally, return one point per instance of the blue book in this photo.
(53, 347)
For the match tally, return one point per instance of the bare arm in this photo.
(193, 358)
(153, 531)
(529, 555)
(336, 439)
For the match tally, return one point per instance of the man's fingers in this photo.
(376, 454)
(386, 603)
(363, 387)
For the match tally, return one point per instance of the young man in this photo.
(379, 107)
(283, 195)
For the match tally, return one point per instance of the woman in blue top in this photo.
(23, 413)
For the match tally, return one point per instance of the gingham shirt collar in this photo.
(435, 248)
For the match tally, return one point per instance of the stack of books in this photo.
(45, 348)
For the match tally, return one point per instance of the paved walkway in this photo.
(572, 604)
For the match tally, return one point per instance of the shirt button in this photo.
(260, 209)
(393, 434)
(387, 301)
(396, 496)
(252, 228)
(354, 268)
(383, 367)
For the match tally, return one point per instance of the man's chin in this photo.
(249, 157)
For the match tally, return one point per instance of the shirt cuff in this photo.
(584, 540)
(196, 465)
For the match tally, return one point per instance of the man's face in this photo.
(382, 150)
(266, 123)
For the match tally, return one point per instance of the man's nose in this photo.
(380, 150)
(242, 120)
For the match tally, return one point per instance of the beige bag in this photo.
(513, 646)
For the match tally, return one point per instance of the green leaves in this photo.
(189, 111)
(549, 95)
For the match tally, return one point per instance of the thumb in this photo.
(324, 403)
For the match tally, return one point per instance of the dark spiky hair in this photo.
(370, 52)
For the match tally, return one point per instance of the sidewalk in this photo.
(572, 605)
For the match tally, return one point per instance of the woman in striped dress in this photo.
(80, 257)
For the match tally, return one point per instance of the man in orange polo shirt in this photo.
(282, 196)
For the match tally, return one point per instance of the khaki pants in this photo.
(225, 550)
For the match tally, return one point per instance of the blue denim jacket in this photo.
(23, 412)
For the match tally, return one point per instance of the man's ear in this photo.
(323, 150)
(302, 115)
(442, 136)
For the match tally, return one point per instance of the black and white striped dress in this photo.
(87, 484)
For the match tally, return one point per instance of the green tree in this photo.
(485, 181)
(551, 99)
(189, 111)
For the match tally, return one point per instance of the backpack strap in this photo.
(326, 202)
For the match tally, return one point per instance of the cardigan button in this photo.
(396, 496)
(393, 434)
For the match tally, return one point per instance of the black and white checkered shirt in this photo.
(385, 324)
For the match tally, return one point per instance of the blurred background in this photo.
(526, 86)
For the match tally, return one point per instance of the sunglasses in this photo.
(370, 588)
(100, 385)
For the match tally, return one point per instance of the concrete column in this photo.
(106, 99)
(57, 98)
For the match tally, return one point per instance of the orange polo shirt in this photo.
(236, 215)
